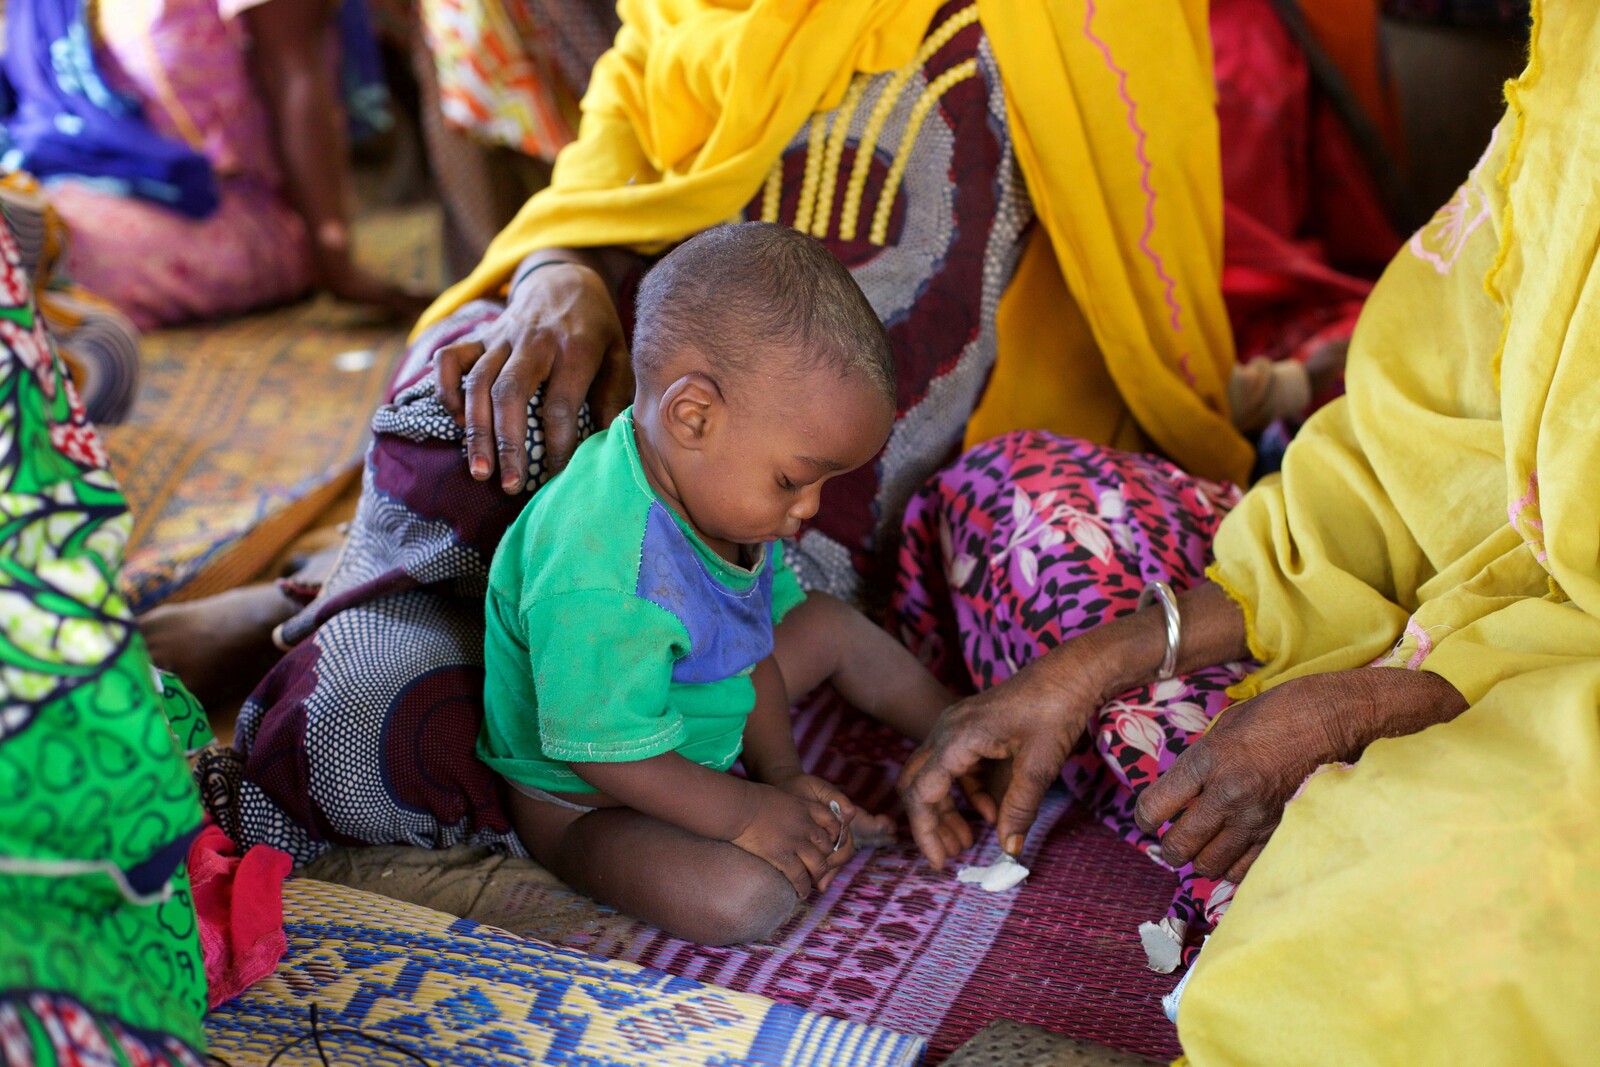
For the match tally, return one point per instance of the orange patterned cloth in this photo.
(497, 74)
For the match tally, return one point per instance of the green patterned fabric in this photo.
(99, 947)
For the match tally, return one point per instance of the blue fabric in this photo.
(361, 81)
(67, 121)
(729, 632)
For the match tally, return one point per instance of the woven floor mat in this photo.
(892, 943)
(393, 981)
(244, 431)
(1013, 1044)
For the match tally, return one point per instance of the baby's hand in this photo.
(798, 833)
(866, 829)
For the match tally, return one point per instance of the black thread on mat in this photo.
(315, 1037)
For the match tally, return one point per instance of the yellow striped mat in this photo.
(452, 991)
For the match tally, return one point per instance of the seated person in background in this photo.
(644, 629)
(234, 105)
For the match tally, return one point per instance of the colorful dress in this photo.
(184, 61)
(1031, 539)
(1441, 517)
(99, 946)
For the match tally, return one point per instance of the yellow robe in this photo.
(1437, 902)
(1119, 334)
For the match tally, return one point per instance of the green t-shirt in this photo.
(614, 633)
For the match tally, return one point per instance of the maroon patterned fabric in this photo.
(955, 225)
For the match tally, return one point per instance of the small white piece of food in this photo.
(1003, 874)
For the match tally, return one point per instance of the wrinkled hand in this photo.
(1227, 791)
(560, 330)
(793, 829)
(1028, 720)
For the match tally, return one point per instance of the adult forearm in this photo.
(1129, 650)
(1388, 702)
(290, 61)
(678, 791)
(611, 263)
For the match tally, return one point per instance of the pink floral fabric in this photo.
(1031, 539)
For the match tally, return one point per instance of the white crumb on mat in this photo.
(1163, 945)
(1003, 874)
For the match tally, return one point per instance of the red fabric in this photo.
(239, 902)
(1304, 231)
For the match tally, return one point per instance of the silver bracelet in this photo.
(1161, 591)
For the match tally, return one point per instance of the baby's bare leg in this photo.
(825, 639)
(711, 892)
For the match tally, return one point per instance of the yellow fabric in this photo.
(685, 114)
(1434, 903)
(1050, 379)
(1111, 113)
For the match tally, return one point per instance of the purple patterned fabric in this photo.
(1031, 539)
(364, 732)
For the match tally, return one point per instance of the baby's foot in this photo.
(872, 831)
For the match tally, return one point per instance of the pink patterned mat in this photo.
(895, 944)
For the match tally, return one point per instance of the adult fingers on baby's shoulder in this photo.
(572, 370)
(613, 386)
(479, 408)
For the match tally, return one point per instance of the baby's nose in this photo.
(806, 505)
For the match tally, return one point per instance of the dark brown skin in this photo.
(560, 329)
(704, 855)
(1229, 788)
(289, 52)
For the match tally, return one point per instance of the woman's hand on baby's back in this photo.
(559, 330)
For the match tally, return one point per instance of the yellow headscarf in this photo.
(1435, 902)
(1111, 112)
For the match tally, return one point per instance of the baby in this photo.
(644, 631)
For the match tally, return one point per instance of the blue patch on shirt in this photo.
(729, 631)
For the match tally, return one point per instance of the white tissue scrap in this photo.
(1003, 874)
(1163, 945)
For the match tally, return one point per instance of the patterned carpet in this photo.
(244, 431)
(892, 943)
(394, 981)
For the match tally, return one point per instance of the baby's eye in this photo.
(786, 485)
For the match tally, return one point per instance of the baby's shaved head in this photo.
(738, 292)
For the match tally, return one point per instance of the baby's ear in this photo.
(691, 408)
